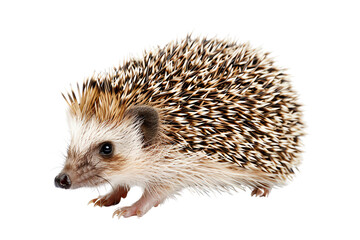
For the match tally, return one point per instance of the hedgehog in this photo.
(205, 114)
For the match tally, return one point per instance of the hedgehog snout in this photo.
(62, 181)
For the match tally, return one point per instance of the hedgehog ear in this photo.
(149, 118)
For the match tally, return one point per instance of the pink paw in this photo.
(142, 206)
(128, 212)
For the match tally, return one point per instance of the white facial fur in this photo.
(84, 165)
(126, 137)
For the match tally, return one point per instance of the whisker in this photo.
(106, 181)
(96, 164)
(92, 183)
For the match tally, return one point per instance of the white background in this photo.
(46, 46)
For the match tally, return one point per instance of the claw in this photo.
(92, 201)
(119, 213)
(98, 203)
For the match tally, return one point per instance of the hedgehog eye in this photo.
(106, 149)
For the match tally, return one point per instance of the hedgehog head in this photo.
(104, 143)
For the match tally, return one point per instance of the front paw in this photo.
(142, 206)
(110, 199)
(128, 212)
(102, 201)
(260, 192)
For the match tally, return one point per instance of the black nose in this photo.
(62, 181)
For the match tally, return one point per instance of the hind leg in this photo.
(261, 191)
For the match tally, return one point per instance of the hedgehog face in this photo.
(97, 151)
